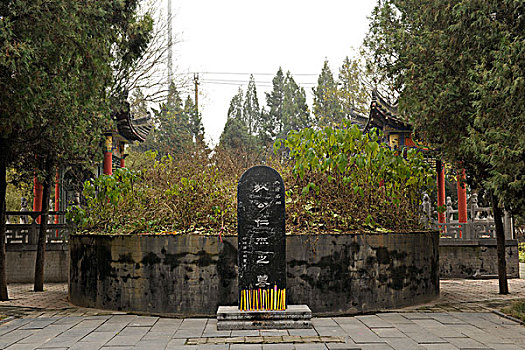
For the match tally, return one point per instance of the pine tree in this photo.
(460, 72)
(296, 115)
(58, 61)
(251, 111)
(274, 102)
(235, 110)
(352, 93)
(235, 135)
(195, 127)
(327, 109)
(266, 131)
(172, 133)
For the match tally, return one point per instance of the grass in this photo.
(516, 310)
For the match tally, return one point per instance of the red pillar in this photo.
(108, 156)
(122, 149)
(440, 189)
(37, 196)
(57, 195)
(57, 199)
(462, 197)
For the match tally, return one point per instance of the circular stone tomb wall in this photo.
(333, 274)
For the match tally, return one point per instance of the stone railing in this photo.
(22, 227)
(480, 223)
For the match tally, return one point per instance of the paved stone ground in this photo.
(461, 318)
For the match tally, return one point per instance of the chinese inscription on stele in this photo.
(262, 242)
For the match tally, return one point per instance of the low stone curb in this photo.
(7, 319)
(265, 340)
(501, 314)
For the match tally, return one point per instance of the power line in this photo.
(307, 86)
(239, 73)
(243, 82)
(232, 84)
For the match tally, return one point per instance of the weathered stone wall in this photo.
(341, 274)
(20, 263)
(477, 258)
(193, 275)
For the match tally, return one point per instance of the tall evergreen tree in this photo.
(57, 64)
(352, 93)
(235, 135)
(296, 115)
(172, 133)
(251, 111)
(236, 106)
(195, 126)
(274, 101)
(266, 131)
(327, 109)
(460, 69)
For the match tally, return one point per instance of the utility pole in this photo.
(198, 138)
(196, 82)
(170, 45)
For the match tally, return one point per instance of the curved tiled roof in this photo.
(133, 129)
(382, 113)
(359, 119)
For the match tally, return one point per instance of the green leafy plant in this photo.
(346, 180)
(183, 194)
(107, 197)
(521, 249)
(336, 180)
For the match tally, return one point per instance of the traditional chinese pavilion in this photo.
(128, 130)
(398, 134)
(358, 119)
(384, 116)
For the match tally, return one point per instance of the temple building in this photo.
(69, 180)
(384, 116)
(129, 130)
(398, 134)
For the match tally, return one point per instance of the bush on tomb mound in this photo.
(345, 180)
(336, 180)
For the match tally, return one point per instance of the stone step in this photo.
(295, 316)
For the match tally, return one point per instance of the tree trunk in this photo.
(500, 241)
(3, 191)
(41, 245)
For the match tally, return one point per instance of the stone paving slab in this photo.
(491, 332)
(460, 319)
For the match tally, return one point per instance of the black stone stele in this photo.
(261, 240)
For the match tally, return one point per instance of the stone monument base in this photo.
(295, 316)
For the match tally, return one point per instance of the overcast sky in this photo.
(239, 37)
